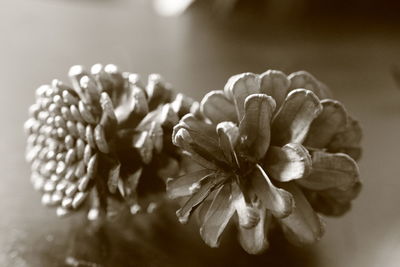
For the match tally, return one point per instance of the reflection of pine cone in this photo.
(97, 135)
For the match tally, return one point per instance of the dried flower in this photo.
(99, 136)
(264, 143)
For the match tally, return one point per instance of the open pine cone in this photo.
(272, 149)
(100, 136)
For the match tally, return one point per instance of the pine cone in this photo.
(272, 148)
(98, 136)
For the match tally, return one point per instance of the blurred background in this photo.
(353, 46)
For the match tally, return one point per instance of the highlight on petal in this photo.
(293, 120)
(303, 225)
(114, 177)
(278, 201)
(143, 143)
(132, 107)
(228, 134)
(127, 186)
(167, 116)
(348, 141)
(75, 74)
(163, 115)
(187, 184)
(217, 217)
(254, 128)
(239, 87)
(206, 186)
(275, 84)
(248, 213)
(217, 107)
(303, 79)
(287, 163)
(331, 171)
(182, 104)
(332, 120)
(252, 239)
(109, 80)
(158, 91)
(156, 134)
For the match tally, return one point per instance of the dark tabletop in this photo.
(41, 39)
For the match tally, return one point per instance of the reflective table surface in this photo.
(41, 39)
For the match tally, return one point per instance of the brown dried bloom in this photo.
(98, 136)
(273, 148)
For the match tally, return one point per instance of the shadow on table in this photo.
(151, 240)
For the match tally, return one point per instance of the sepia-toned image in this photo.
(200, 133)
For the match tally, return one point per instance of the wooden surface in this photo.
(41, 39)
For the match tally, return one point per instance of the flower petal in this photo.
(343, 196)
(75, 74)
(217, 107)
(114, 177)
(287, 163)
(228, 134)
(248, 212)
(108, 119)
(255, 126)
(187, 184)
(218, 216)
(190, 122)
(132, 107)
(110, 80)
(278, 201)
(205, 146)
(143, 143)
(83, 84)
(239, 87)
(293, 120)
(206, 186)
(167, 167)
(156, 134)
(348, 141)
(331, 120)
(303, 225)
(330, 207)
(183, 139)
(275, 84)
(331, 171)
(333, 202)
(230, 130)
(303, 79)
(168, 117)
(158, 91)
(336, 202)
(128, 186)
(252, 239)
(182, 104)
(202, 210)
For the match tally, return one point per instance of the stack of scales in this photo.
(100, 136)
